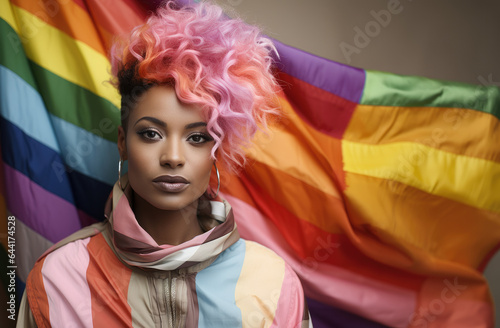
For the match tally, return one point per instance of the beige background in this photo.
(441, 39)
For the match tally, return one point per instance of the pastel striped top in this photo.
(113, 274)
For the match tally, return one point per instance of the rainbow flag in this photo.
(381, 191)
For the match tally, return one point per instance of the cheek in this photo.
(138, 159)
(207, 170)
(204, 168)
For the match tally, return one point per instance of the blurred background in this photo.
(446, 40)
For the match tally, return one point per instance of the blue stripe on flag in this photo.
(81, 150)
(44, 166)
(86, 152)
(35, 160)
(91, 202)
(23, 106)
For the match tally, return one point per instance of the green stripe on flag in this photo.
(386, 89)
(77, 105)
(62, 98)
(12, 53)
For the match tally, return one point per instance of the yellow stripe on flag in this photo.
(64, 56)
(7, 15)
(469, 180)
(80, 25)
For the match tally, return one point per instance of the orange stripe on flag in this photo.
(428, 243)
(296, 148)
(68, 17)
(295, 196)
(115, 18)
(448, 129)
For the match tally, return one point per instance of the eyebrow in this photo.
(195, 125)
(151, 119)
(163, 124)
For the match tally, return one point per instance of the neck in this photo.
(167, 227)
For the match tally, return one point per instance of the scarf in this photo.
(137, 248)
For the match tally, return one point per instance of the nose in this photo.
(172, 153)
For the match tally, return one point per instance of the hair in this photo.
(222, 65)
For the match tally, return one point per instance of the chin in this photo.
(169, 202)
(172, 207)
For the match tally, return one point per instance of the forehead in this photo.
(161, 102)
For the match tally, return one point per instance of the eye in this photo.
(150, 134)
(199, 138)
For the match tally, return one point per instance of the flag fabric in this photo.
(380, 190)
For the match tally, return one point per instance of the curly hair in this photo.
(222, 65)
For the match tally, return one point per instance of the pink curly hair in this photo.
(220, 64)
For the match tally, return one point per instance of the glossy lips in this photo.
(169, 183)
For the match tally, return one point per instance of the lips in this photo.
(171, 179)
(169, 183)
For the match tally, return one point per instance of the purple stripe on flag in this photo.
(49, 215)
(326, 316)
(341, 80)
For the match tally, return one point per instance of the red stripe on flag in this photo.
(326, 112)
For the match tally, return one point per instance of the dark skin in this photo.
(166, 138)
(167, 227)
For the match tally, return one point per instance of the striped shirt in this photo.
(113, 274)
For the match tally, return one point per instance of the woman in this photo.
(194, 87)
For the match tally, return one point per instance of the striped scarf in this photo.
(137, 248)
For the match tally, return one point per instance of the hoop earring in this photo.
(120, 164)
(218, 182)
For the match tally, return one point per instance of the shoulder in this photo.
(69, 254)
(265, 276)
(263, 263)
(261, 257)
(256, 263)
(253, 256)
(65, 264)
(59, 282)
(57, 276)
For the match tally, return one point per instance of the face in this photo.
(168, 150)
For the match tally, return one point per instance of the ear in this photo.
(122, 143)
